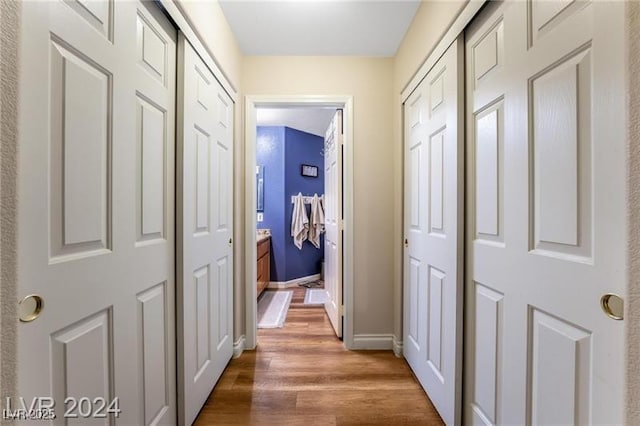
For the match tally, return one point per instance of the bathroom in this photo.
(290, 162)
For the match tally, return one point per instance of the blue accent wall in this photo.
(302, 148)
(270, 154)
(282, 150)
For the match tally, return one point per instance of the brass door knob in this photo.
(613, 306)
(30, 307)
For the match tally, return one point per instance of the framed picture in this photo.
(307, 170)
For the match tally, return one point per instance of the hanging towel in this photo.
(316, 227)
(299, 222)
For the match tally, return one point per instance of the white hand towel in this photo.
(299, 222)
(317, 221)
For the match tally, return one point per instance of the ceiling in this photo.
(319, 27)
(310, 120)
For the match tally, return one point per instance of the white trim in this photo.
(455, 29)
(251, 103)
(294, 283)
(374, 342)
(238, 347)
(184, 24)
(397, 347)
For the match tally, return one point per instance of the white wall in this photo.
(369, 81)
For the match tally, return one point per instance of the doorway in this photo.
(343, 310)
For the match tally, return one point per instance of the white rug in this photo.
(272, 308)
(315, 296)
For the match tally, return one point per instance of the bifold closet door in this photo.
(96, 211)
(546, 213)
(433, 233)
(205, 224)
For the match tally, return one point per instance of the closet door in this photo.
(205, 223)
(546, 216)
(433, 233)
(96, 211)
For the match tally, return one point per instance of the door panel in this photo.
(546, 213)
(333, 221)
(205, 262)
(82, 359)
(433, 221)
(561, 160)
(489, 188)
(155, 357)
(80, 207)
(488, 352)
(96, 228)
(560, 363)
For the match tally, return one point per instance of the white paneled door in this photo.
(433, 233)
(205, 224)
(546, 220)
(96, 211)
(333, 221)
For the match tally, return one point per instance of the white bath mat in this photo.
(272, 308)
(315, 296)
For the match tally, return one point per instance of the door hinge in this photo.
(341, 311)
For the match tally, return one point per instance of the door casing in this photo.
(251, 104)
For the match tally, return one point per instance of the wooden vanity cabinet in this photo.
(264, 264)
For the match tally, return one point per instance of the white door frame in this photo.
(251, 104)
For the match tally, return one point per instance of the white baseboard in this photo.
(293, 283)
(372, 342)
(397, 347)
(238, 347)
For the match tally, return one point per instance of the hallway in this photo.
(302, 375)
(482, 211)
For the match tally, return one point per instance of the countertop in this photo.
(262, 237)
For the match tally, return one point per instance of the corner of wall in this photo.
(9, 72)
(210, 24)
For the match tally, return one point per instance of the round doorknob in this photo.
(613, 306)
(30, 307)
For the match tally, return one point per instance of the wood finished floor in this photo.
(302, 375)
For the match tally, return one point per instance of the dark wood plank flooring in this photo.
(302, 375)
